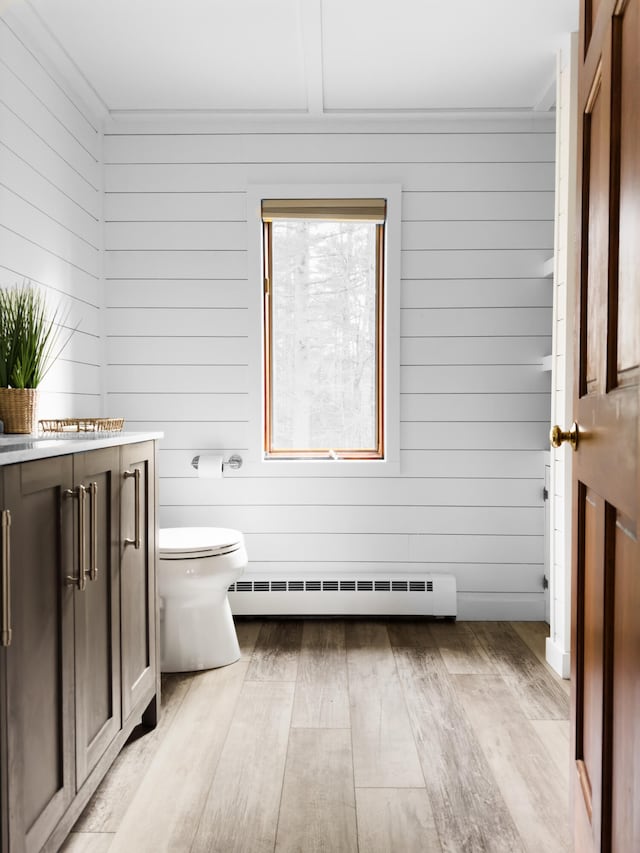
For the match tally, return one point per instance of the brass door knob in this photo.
(557, 436)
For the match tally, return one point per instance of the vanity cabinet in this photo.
(78, 657)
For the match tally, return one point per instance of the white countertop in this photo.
(25, 448)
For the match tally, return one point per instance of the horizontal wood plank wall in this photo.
(50, 214)
(477, 226)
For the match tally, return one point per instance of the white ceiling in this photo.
(313, 56)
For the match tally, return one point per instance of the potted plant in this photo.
(30, 342)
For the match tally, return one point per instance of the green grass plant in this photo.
(31, 338)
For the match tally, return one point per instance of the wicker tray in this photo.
(82, 425)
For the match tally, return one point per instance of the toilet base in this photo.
(196, 636)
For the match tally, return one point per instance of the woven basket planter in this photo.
(18, 409)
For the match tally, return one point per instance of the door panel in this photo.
(590, 17)
(606, 568)
(627, 48)
(596, 223)
(5, 539)
(40, 664)
(591, 596)
(137, 560)
(626, 697)
(97, 613)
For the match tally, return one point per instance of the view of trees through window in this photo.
(323, 335)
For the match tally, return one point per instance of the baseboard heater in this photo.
(337, 595)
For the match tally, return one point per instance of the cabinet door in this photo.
(97, 610)
(39, 661)
(5, 616)
(138, 576)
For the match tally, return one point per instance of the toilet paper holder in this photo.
(234, 462)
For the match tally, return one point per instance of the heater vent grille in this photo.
(332, 586)
(410, 594)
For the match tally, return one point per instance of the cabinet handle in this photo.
(93, 531)
(81, 580)
(5, 636)
(136, 479)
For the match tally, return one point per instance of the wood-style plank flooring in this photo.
(350, 736)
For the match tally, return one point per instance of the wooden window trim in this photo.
(372, 210)
(328, 209)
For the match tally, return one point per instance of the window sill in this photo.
(322, 468)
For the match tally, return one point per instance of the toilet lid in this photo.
(177, 543)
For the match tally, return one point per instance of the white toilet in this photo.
(195, 568)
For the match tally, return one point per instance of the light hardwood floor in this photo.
(363, 736)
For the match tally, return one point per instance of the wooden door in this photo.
(97, 611)
(39, 661)
(138, 577)
(606, 566)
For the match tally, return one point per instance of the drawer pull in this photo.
(81, 580)
(136, 479)
(5, 635)
(93, 531)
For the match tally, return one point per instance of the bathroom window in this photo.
(324, 303)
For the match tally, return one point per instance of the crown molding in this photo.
(29, 27)
(389, 121)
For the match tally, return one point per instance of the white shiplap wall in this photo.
(477, 226)
(50, 212)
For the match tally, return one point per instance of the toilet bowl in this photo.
(196, 565)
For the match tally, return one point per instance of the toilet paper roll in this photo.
(210, 467)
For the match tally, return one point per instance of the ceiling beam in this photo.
(311, 30)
